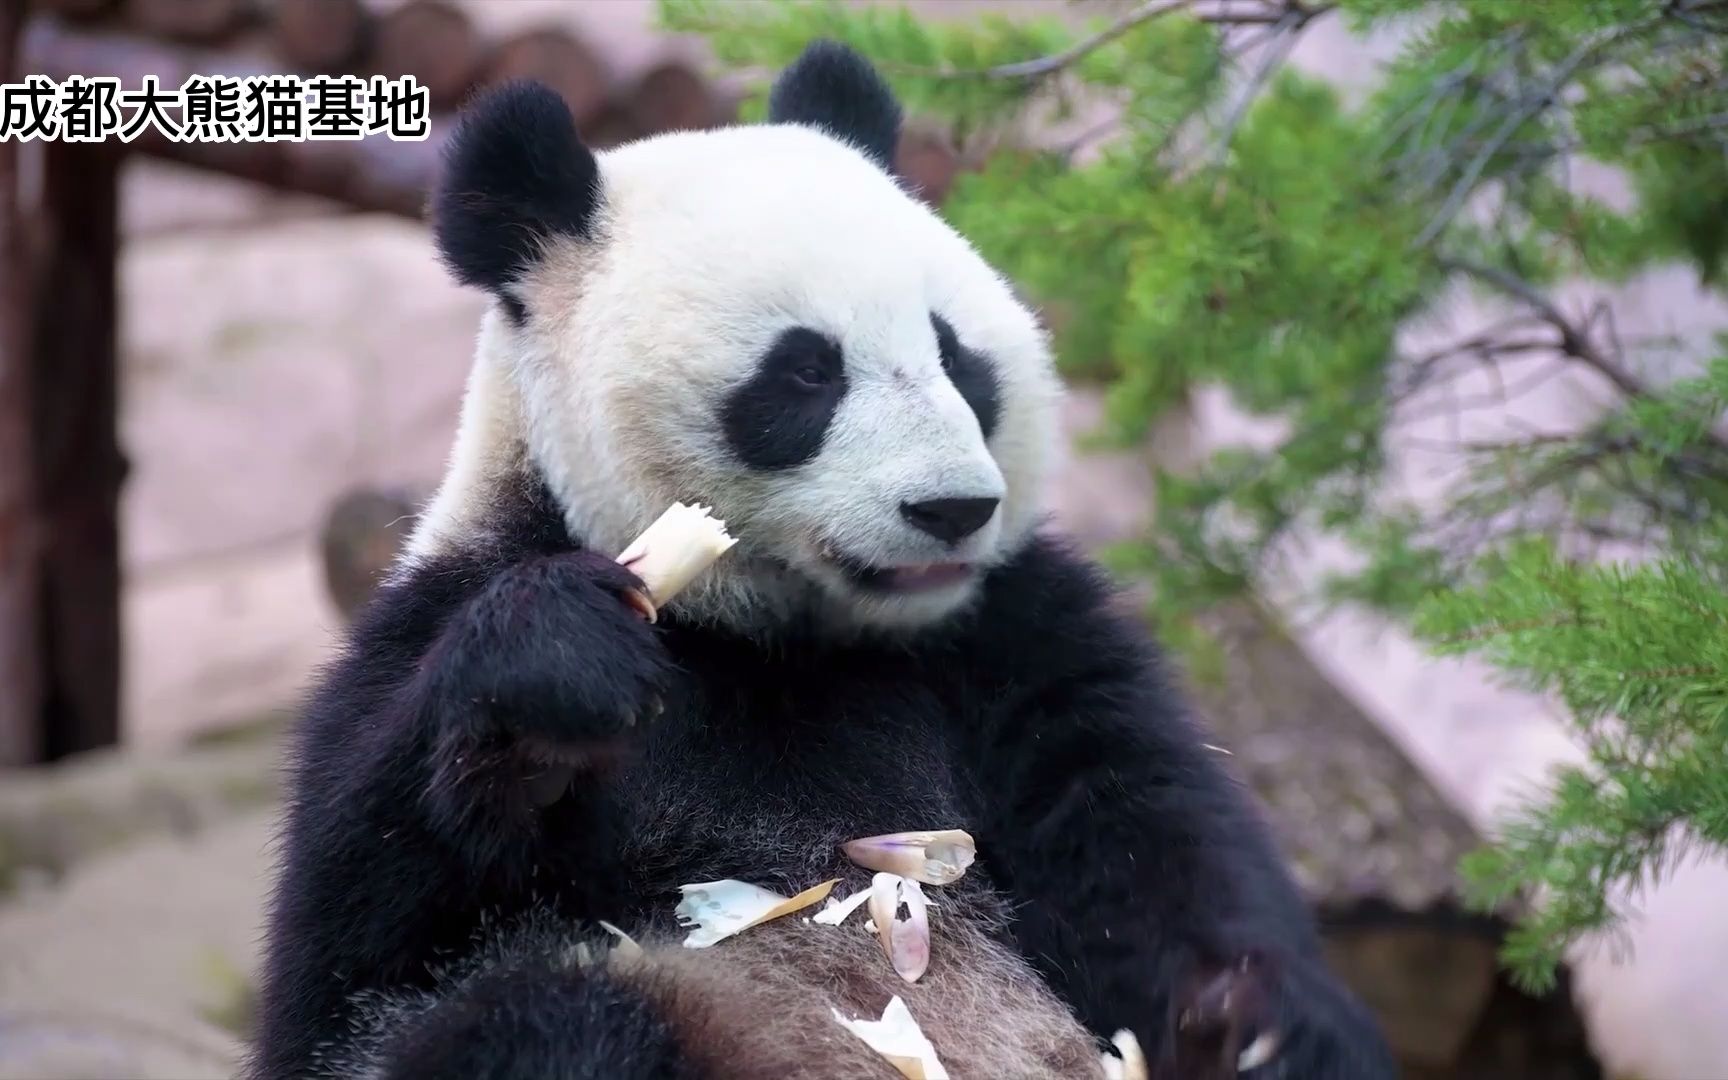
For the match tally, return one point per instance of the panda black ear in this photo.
(832, 87)
(515, 175)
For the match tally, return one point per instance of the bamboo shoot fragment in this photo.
(682, 542)
(934, 858)
(716, 910)
(624, 944)
(905, 940)
(837, 910)
(898, 1038)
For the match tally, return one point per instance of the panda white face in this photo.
(762, 320)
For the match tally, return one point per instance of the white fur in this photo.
(708, 246)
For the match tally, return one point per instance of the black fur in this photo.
(1039, 722)
(971, 374)
(519, 1024)
(833, 88)
(515, 175)
(777, 419)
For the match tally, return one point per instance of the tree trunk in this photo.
(77, 462)
(20, 730)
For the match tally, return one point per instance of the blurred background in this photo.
(1356, 300)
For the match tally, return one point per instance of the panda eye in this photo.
(947, 345)
(802, 361)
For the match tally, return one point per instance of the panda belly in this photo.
(762, 1003)
(768, 791)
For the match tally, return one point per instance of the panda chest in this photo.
(752, 776)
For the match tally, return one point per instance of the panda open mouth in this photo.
(909, 578)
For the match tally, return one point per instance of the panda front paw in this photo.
(1257, 1019)
(554, 662)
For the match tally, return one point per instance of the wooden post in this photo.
(20, 731)
(77, 462)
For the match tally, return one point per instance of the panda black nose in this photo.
(949, 519)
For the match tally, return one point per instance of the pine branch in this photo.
(1304, 12)
(1045, 66)
(1648, 136)
(1444, 88)
(1525, 111)
(1073, 54)
(1494, 630)
(1694, 671)
(1285, 32)
(1574, 340)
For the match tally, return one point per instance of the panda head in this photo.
(760, 319)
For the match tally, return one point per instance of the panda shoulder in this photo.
(1053, 613)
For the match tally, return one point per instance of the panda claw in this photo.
(641, 604)
(545, 757)
(1259, 1052)
(1224, 1027)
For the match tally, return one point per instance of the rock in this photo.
(55, 817)
(130, 967)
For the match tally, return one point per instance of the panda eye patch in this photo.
(947, 346)
(777, 418)
(970, 373)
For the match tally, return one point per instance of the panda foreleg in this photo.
(539, 679)
(418, 801)
(536, 1019)
(1143, 875)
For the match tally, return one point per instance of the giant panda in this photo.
(505, 753)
